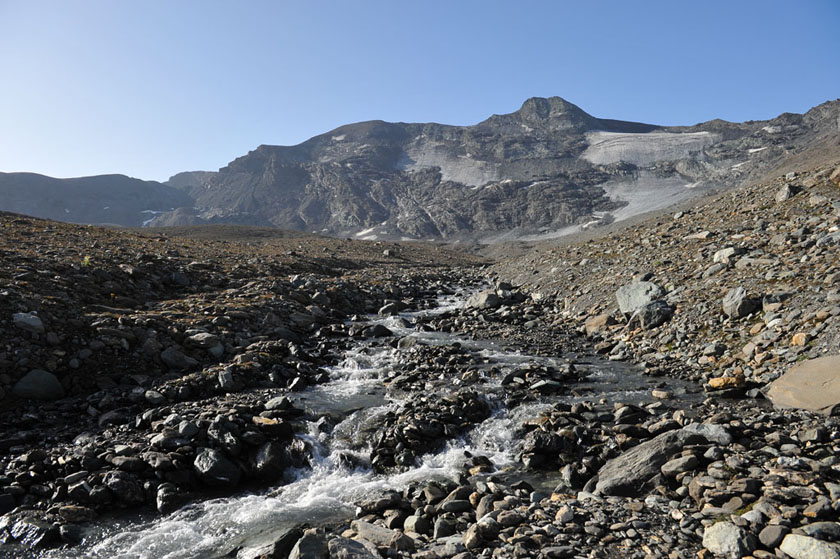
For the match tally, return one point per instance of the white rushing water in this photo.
(355, 396)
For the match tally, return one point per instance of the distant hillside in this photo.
(112, 199)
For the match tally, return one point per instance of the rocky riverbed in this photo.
(274, 397)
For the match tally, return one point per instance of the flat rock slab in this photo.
(812, 385)
(627, 474)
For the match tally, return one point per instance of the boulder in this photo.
(805, 547)
(633, 296)
(812, 385)
(38, 385)
(280, 548)
(595, 324)
(176, 360)
(654, 314)
(382, 537)
(710, 431)
(310, 546)
(28, 322)
(737, 304)
(343, 548)
(484, 300)
(215, 470)
(724, 539)
(627, 474)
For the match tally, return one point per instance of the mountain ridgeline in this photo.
(547, 169)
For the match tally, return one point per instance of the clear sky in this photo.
(151, 88)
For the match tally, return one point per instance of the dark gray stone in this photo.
(214, 469)
(38, 385)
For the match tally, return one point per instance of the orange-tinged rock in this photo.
(800, 338)
(720, 383)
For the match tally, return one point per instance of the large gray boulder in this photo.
(812, 385)
(38, 385)
(805, 547)
(484, 300)
(724, 539)
(627, 475)
(634, 296)
(214, 469)
(737, 304)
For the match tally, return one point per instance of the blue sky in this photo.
(152, 88)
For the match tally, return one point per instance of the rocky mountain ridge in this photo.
(547, 169)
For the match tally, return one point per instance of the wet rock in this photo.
(805, 547)
(34, 534)
(38, 385)
(168, 498)
(311, 545)
(280, 548)
(725, 539)
(377, 331)
(393, 308)
(633, 296)
(124, 487)
(214, 469)
(271, 460)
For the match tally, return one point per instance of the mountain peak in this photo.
(548, 107)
